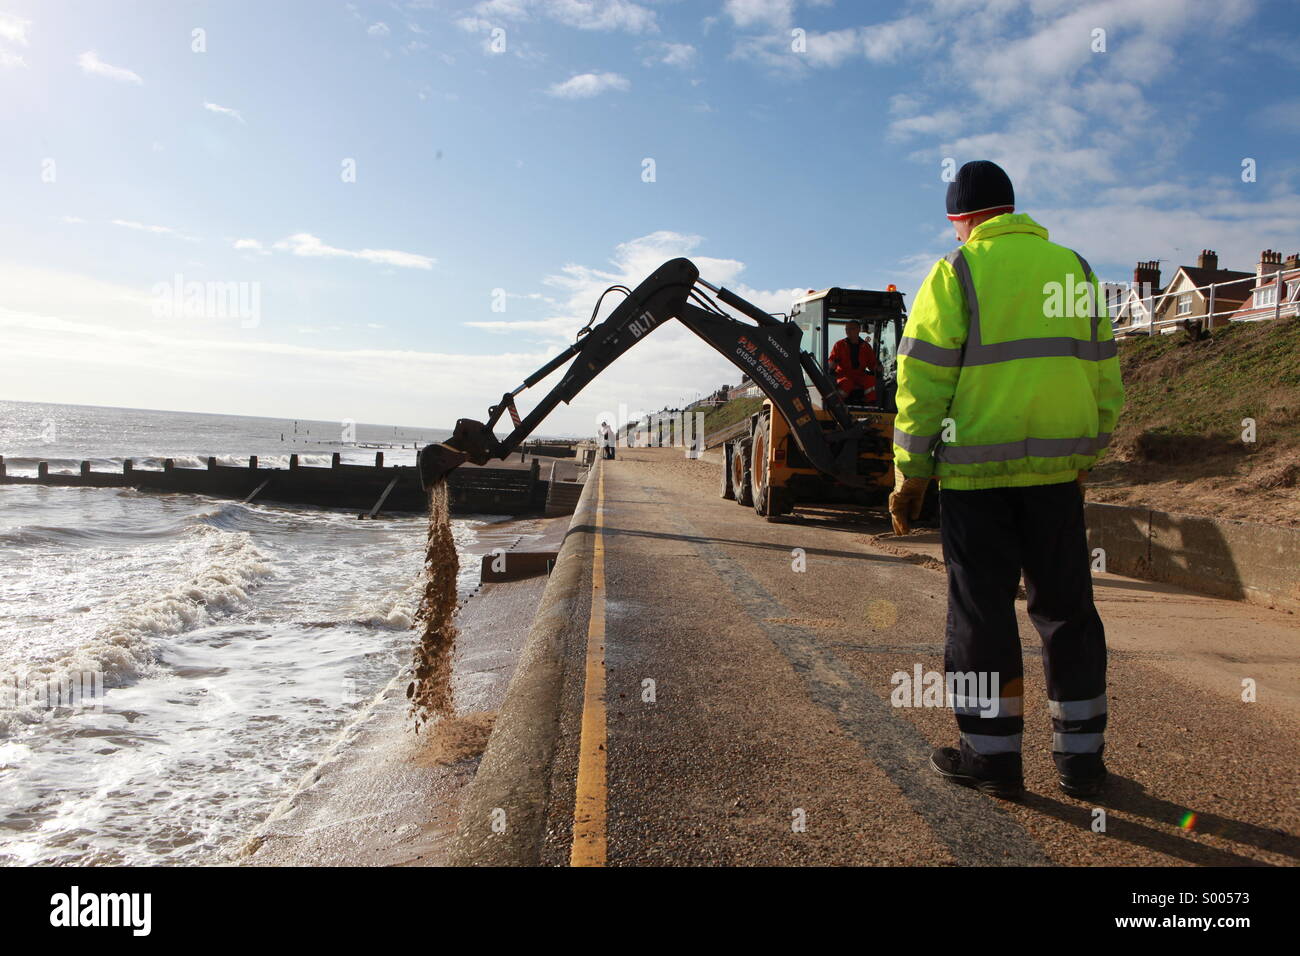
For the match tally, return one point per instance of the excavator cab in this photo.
(822, 318)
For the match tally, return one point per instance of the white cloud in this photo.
(587, 85)
(9, 61)
(940, 123)
(156, 230)
(305, 244)
(92, 65)
(14, 29)
(1117, 230)
(760, 13)
(896, 39)
(602, 15)
(832, 49)
(1021, 84)
(251, 245)
(607, 15)
(673, 54)
(379, 29)
(223, 110)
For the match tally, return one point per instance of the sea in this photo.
(171, 664)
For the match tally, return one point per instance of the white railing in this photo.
(1148, 302)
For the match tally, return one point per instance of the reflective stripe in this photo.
(992, 743)
(928, 352)
(1092, 293)
(1076, 743)
(957, 259)
(918, 444)
(977, 352)
(1015, 450)
(1063, 346)
(1077, 709)
(989, 708)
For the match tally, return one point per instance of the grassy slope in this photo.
(720, 416)
(1178, 445)
(1179, 387)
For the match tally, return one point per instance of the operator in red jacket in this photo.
(853, 363)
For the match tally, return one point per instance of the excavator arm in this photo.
(767, 351)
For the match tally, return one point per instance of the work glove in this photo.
(905, 503)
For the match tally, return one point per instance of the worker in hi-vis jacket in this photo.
(1008, 390)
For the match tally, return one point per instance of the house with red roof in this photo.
(1203, 293)
(1276, 291)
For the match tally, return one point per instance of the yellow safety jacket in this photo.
(1007, 371)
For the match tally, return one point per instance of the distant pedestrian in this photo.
(607, 440)
(1008, 390)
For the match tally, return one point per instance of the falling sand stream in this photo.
(430, 687)
(454, 738)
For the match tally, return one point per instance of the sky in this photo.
(408, 207)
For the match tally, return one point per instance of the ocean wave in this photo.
(223, 569)
(229, 516)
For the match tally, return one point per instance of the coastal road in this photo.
(726, 689)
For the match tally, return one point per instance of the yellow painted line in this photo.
(590, 798)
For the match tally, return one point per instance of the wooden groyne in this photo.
(368, 489)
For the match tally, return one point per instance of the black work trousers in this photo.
(990, 537)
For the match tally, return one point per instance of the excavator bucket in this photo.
(471, 441)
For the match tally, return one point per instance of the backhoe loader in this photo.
(804, 444)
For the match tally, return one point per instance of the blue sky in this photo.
(501, 146)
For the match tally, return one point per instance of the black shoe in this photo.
(947, 761)
(1084, 787)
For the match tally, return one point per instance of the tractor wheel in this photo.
(728, 483)
(760, 477)
(740, 478)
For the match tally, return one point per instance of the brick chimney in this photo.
(1291, 262)
(1146, 275)
(1269, 263)
(1208, 259)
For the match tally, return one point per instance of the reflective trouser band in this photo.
(988, 707)
(1015, 450)
(974, 353)
(1077, 709)
(1077, 743)
(919, 444)
(992, 743)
